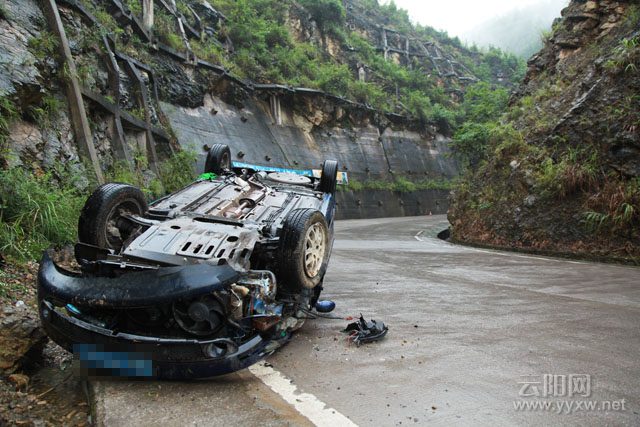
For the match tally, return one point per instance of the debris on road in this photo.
(325, 306)
(363, 331)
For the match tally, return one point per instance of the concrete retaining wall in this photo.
(361, 150)
(381, 204)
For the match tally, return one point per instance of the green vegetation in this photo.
(527, 110)
(134, 6)
(484, 102)
(576, 170)
(8, 112)
(417, 93)
(36, 211)
(483, 105)
(329, 14)
(616, 207)
(626, 56)
(45, 112)
(400, 184)
(107, 22)
(175, 172)
(178, 170)
(265, 49)
(43, 46)
(494, 61)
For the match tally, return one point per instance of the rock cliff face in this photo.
(564, 175)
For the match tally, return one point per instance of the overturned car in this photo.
(205, 281)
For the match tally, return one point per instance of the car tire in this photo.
(329, 177)
(100, 222)
(303, 252)
(218, 159)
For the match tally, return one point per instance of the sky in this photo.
(457, 17)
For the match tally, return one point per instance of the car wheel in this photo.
(329, 177)
(303, 251)
(102, 219)
(218, 159)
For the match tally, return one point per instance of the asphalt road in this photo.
(473, 334)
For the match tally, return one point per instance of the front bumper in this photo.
(108, 352)
(136, 289)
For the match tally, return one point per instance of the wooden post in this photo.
(143, 101)
(116, 131)
(190, 55)
(276, 111)
(198, 22)
(79, 120)
(362, 74)
(385, 44)
(147, 15)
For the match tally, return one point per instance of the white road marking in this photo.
(511, 254)
(417, 236)
(307, 404)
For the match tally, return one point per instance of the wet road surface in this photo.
(475, 336)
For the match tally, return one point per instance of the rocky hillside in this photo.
(560, 171)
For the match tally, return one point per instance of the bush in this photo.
(404, 185)
(178, 171)
(484, 102)
(419, 105)
(367, 93)
(443, 117)
(334, 78)
(399, 18)
(37, 211)
(470, 142)
(328, 14)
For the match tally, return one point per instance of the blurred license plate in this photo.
(95, 360)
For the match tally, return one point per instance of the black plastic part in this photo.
(218, 159)
(329, 177)
(134, 289)
(364, 331)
